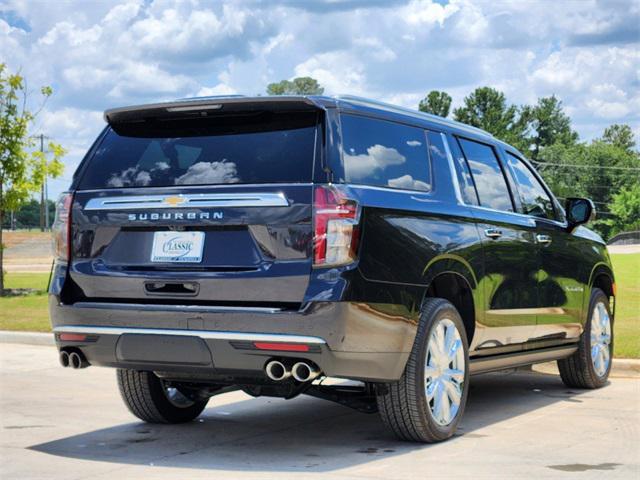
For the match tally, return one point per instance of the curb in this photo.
(27, 338)
(622, 367)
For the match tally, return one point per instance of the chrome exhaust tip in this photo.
(303, 372)
(77, 360)
(277, 371)
(64, 358)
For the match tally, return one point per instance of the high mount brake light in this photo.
(336, 230)
(61, 228)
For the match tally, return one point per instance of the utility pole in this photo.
(42, 200)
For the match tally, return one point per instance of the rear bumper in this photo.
(344, 339)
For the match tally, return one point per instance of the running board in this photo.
(512, 360)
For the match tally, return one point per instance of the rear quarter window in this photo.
(264, 148)
(387, 154)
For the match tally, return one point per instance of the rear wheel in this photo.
(590, 365)
(426, 404)
(153, 400)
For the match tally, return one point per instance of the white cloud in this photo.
(427, 12)
(408, 182)
(202, 173)
(98, 55)
(378, 157)
(219, 89)
(338, 72)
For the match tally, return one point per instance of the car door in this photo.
(561, 272)
(510, 251)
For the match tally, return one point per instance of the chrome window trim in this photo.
(205, 334)
(516, 214)
(386, 189)
(205, 200)
(452, 170)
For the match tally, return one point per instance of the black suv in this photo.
(266, 243)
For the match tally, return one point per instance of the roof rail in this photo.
(414, 113)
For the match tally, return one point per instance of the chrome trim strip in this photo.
(198, 200)
(529, 311)
(531, 220)
(206, 334)
(512, 360)
(452, 169)
(174, 308)
(387, 189)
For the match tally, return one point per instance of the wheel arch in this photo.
(602, 277)
(453, 279)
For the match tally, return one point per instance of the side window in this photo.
(535, 199)
(487, 175)
(467, 189)
(388, 154)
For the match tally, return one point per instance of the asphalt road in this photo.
(61, 423)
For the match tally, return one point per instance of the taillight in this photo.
(61, 228)
(335, 236)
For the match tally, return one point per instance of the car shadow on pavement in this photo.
(304, 434)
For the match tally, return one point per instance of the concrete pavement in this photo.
(61, 423)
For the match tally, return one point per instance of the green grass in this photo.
(30, 312)
(627, 325)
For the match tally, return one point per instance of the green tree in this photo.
(597, 171)
(487, 108)
(626, 208)
(436, 103)
(548, 125)
(22, 170)
(28, 215)
(620, 136)
(297, 86)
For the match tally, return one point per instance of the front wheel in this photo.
(151, 399)
(426, 404)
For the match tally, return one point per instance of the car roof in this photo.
(346, 103)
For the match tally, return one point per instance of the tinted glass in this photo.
(487, 175)
(376, 152)
(534, 198)
(265, 148)
(467, 188)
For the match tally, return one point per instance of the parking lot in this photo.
(60, 423)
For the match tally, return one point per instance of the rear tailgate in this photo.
(204, 211)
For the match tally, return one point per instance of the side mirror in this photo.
(579, 211)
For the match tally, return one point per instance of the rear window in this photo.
(255, 148)
(388, 154)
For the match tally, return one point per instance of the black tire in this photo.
(403, 405)
(144, 395)
(578, 371)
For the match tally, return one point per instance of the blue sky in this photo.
(102, 54)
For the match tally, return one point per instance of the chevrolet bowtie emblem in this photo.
(174, 201)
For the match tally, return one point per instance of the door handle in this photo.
(544, 239)
(493, 233)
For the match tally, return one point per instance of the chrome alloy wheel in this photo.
(600, 339)
(444, 372)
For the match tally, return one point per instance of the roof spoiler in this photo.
(209, 106)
